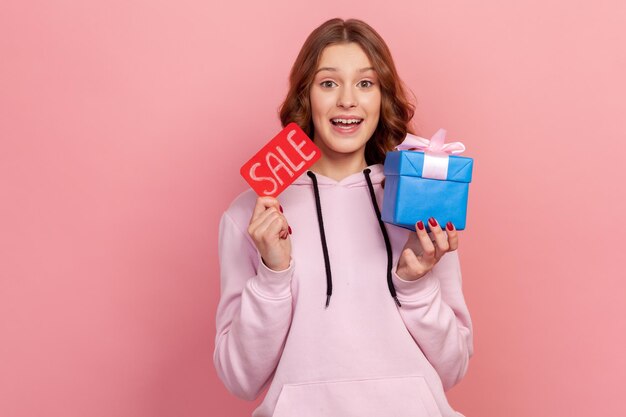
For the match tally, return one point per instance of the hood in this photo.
(354, 180)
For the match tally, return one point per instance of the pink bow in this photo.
(434, 146)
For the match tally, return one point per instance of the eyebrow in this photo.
(335, 69)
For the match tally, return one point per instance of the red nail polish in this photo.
(289, 229)
(449, 226)
(281, 208)
(420, 225)
(432, 221)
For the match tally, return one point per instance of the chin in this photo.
(346, 148)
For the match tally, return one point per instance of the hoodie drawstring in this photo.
(329, 281)
(383, 229)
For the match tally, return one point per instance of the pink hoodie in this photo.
(363, 355)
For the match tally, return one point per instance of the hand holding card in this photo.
(270, 232)
(272, 169)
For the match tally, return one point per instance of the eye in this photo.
(366, 81)
(326, 84)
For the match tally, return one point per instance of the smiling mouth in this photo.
(346, 123)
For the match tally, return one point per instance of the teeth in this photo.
(346, 121)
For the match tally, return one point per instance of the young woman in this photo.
(341, 314)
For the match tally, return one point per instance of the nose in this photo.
(347, 98)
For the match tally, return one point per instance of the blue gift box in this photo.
(408, 197)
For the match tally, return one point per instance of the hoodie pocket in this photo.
(406, 396)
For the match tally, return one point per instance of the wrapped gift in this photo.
(429, 181)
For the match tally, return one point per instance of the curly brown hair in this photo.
(396, 110)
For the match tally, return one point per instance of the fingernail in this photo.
(420, 225)
(449, 226)
(289, 229)
(281, 208)
(432, 221)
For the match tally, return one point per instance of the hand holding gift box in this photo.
(429, 182)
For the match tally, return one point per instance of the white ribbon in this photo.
(436, 153)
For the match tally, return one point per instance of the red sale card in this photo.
(283, 159)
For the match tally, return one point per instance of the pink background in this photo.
(123, 126)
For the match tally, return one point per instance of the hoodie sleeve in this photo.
(434, 311)
(253, 315)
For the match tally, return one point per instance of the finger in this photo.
(440, 238)
(255, 222)
(413, 262)
(286, 230)
(268, 227)
(261, 227)
(427, 244)
(453, 236)
(263, 203)
(278, 227)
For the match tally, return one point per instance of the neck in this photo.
(339, 168)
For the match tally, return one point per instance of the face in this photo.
(345, 101)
